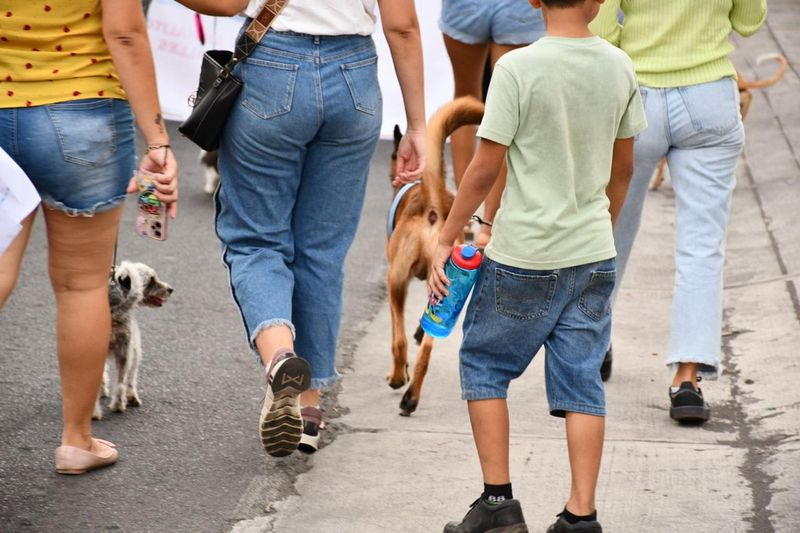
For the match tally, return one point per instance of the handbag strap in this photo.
(257, 28)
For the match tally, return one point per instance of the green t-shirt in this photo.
(558, 105)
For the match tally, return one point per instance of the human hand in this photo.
(438, 282)
(410, 157)
(160, 162)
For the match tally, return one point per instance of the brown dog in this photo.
(745, 98)
(415, 221)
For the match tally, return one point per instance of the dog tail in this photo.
(451, 116)
(760, 84)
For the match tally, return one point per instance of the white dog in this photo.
(209, 161)
(134, 284)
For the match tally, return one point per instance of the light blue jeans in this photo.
(699, 130)
(293, 160)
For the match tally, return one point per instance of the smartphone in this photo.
(151, 216)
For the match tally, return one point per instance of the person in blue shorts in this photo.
(475, 30)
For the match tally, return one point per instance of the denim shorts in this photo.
(79, 154)
(514, 311)
(498, 21)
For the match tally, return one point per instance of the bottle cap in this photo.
(468, 251)
(467, 257)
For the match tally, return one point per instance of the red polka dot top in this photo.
(53, 51)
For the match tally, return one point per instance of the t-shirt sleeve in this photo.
(501, 117)
(633, 120)
(606, 23)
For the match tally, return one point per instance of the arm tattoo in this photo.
(160, 122)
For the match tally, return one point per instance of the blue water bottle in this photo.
(461, 269)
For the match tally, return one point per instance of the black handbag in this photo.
(218, 87)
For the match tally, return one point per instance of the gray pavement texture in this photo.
(191, 460)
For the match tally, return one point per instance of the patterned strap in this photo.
(258, 27)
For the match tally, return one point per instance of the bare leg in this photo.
(275, 338)
(585, 435)
(11, 259)
(489, 420)
(467, 61)
(686, 372)
(79, 258)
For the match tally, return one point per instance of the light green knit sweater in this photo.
(679, 42)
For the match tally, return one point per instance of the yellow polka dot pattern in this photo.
(53, 51)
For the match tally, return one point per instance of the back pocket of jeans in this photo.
(595, 300)
(85, 130)
(268, 87)
(712, 107)
(523, 296)
(362, 80)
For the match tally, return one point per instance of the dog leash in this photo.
(395, 203)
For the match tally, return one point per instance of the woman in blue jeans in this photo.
(293, 161)
(73, 72)
(680, 53)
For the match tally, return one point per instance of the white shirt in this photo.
(322, 17)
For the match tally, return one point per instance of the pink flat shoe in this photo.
(73, 460)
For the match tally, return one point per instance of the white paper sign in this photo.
(18, 197)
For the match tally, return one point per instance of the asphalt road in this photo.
(190, 457)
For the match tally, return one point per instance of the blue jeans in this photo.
(498, 21)
(293, 160)
(514, 311)
(699, 130)
(79, 154)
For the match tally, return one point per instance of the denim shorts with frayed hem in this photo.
(515, 311)
(79, 154)
(512, 22)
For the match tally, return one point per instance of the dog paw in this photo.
(118, 405)
(408, 404)
(97, 414)
(134, 400)
(395, 382)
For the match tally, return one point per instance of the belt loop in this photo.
(316, 40)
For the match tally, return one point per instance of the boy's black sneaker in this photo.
(562, 526)
(688, 404)
(608, 360)
(482, 517)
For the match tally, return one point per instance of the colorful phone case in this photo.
(151, 218)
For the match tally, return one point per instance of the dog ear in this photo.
(398, 135)
(125, 282)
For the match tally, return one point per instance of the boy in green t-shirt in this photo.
(564, 112)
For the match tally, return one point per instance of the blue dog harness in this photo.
(393, 209)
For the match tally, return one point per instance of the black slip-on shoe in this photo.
(608, 360)
(562, 526)
(688, 404)
(482, 517)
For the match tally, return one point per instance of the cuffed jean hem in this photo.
(273, 322)
(560, 409)
(325, 384)
(483, 394)
(708, 370)
(99, 207)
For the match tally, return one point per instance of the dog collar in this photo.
(396, 202)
